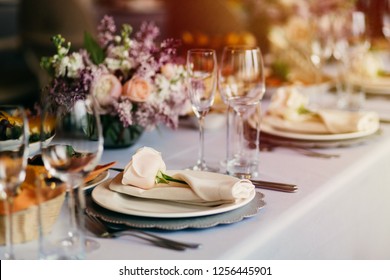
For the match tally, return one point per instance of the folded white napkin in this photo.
(327, 122)
(288, 111)
(204, 188)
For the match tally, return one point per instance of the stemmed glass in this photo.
(321, 46)
(351, 44)
(13, 161)
(321, 41)
(385, 18)
(242, 86)
(202, 83)
(73, 152)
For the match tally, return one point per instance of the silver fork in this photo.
(96, 226)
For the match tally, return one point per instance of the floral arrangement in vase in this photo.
(138, 83)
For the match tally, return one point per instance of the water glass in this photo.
(243, 154)
(242, 85)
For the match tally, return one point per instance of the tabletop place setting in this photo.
(102, 167)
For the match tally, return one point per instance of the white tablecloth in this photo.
(341, 211)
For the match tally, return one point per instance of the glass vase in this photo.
(116, 135)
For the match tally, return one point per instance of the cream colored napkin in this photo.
(204, 188)
(288, 111)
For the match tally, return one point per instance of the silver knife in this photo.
(274, 186)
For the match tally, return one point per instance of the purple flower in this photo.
(106, 31)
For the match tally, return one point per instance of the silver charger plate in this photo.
(123, 220)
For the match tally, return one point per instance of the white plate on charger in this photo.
(131, 205)
(98, 180)
(269, 129)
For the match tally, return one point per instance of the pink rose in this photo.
(105, 89)
(137, 89)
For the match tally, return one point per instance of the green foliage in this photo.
(62, 50)
(93, 48)
(303, 110)
(280, 69)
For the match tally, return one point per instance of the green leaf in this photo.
(303, 110)
(280, 69)
(96, 52)
(46, 64)
(165, 179)
(171, 179)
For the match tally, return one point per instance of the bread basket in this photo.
(25, 222)
(25, 211)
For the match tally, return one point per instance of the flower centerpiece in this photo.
(137, 83)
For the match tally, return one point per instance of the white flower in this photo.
(63, 51)
(289, 104)
(143, 168)
(69, 66)
(112, 64)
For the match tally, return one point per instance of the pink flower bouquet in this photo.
(135, 81)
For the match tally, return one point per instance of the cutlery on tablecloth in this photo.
(261, 184)
(97, 227)
(275, 186)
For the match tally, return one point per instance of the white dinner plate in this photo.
(99, 179)
(155, 208)
(316, 137)
(33, 147)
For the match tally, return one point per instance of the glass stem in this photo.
(240, 133)
(73, 230)
(227, 134)
(9, 255)
(201, 141)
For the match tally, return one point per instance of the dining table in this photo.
(341, 209)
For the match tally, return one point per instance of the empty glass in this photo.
(202, 83)
(242, 86)
(73, 151)
(13, 162)
(351, 44)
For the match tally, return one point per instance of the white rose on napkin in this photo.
(146, 176)
(143, 168)
(289, 111)
(201, 188)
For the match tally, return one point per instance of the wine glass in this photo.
(74, 150)
(385, 18)
(202, 83)
(351, 45)
(13, 161)
(242, 86)
(321, 40)
(321, 46)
